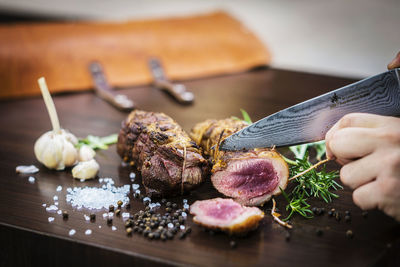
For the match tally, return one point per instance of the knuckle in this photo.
(347, 120)
(392, 160)
(345, 175)
(390, 136)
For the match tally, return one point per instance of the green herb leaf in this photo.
(97, 142)
(246, 116)
(318, 184)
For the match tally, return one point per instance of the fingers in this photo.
(351, 143)
(363, 120)
(395, 62)
(360, 172)
(367, 196)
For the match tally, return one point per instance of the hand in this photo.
(369, 148)
(395, 62)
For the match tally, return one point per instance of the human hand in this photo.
(395, 62)
(368, 147)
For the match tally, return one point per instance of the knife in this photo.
(310, 120)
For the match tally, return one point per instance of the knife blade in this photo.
(310, 120)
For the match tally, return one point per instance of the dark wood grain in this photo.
(29, 239)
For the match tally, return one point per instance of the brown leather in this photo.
(189, 47)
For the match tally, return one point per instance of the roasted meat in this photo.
(251, 177)
(226, 215)
(169, 161)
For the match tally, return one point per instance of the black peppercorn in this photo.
(163, 201)
(347, 218)
(168, 204)
(129, 231)
(128, 206)
(119, 203)
(330, 213)
(117, 212)
(168, 209)
(365, 214)
(92, 217)
(232, 244)
(174, 205)
(111, 208)
(182, 235)
(109, 220)
(188, 229)
(65, 215)
(349, 234)
(347, 212)
(337, 216)
(319, 232)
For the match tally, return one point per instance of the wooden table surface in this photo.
(28, 238)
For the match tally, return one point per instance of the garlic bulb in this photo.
(86, 153)
(86, 169)
(57, 150)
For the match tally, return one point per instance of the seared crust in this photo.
(170, 162)
(210, 133)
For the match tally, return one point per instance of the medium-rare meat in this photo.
(251, 177)
(226, 215)
(169, 161)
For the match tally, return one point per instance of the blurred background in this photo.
(353, 38)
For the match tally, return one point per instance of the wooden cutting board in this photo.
(189, 47)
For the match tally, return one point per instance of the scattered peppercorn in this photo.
(319, 232)
(128, 206)
(287, 236)
(347, 218)
(337, 216)
(117, 212)
(109, 221)
(232, 244)
(129, 231)
(365, 214)
(174, 205)
(347, 212)
(65, 215)
(330, 213)
(168, 204)
(111, 208)
(119, 203)
(349, 234)
(92, 217)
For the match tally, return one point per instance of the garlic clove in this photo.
(86, 153)
(56, 151)
(86, 169)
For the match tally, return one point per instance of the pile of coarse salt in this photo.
(98, 197)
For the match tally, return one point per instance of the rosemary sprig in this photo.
(246, 117)
(318, 184)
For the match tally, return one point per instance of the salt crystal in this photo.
(82, 180)
(56, 203)
(59, 188)
(137, 191)
(51, 219)
(26, 169)
(125, 215)
(88, 232)
(105, 215)
(72, 232)
(110, 215)
(100, 180)
(31, 179)
(185, 201)
(55, 198)
(59, 212)
(132, 175)
(113, 228)
(135, 186)
(44, 205)
(184, 214)
(124, 164)
(186, 206)
(182, 227)
(146, 199)
(98, 197)
(87, 218)
(170, 225)
(99, 226)
(52, 208)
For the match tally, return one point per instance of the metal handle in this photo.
(177, 91)
(105, 91)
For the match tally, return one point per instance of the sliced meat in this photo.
(251, 177)
(226, 215)
(169, 161)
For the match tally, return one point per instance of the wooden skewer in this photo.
(51, 109)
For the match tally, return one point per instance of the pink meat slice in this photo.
(252, 181)
(226, 215)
